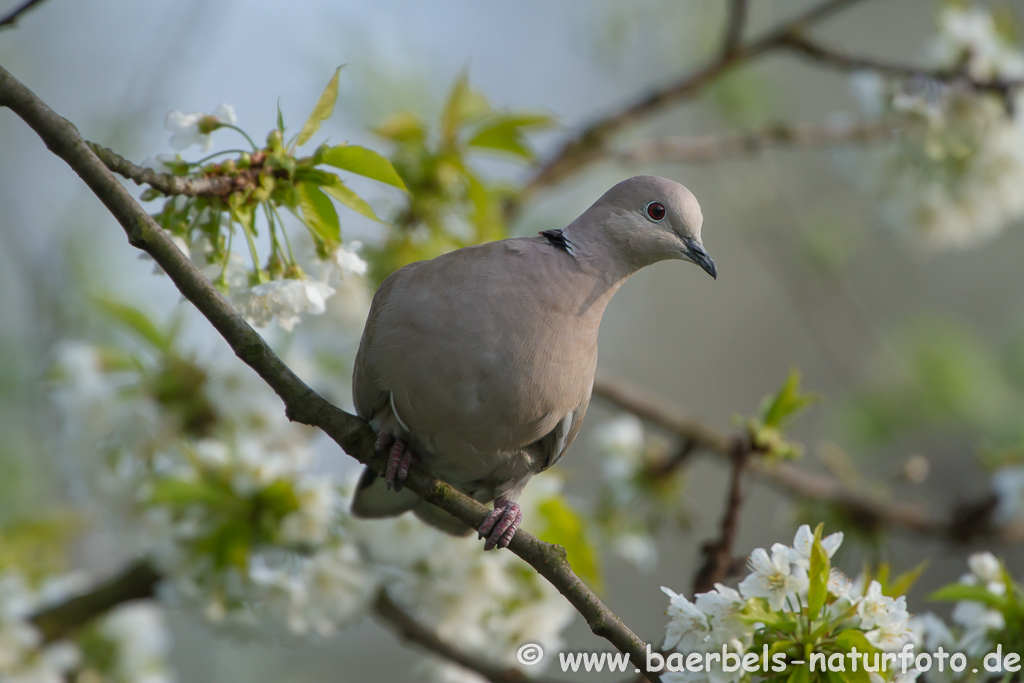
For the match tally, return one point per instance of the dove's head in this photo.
(643, 220)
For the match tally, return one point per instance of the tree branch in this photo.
(585, 147)
(302, 404)
(968, 521)
(718, 554)
(844, 62)
(409, 629)
(708, 148)
(11, 18)
(212, 186)
(138, 581)
(734, 24)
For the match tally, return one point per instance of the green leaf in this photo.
(344, 194)
(955, 592)
(185, 492)
(321, 111)
(757, 610)
(818, 575)
(568, 529)
(504, 132)
(401, 127)
(137, 321)
(319, 214)
(787, 402)
(364, 162)
(852, 637)
(280, 117)
(463, 104)
(799, 674)
(902, 583)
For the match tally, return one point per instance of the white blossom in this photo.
(346, 259)
(874, 607)
(987, 568)
(970, 33)
(773, 577)
(688, 627)
(284, 300)
(142, 642)
(194, 128)
(804, 540)
(839, 584)
(723, 606)
(318, 502)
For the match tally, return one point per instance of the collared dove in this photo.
(477, 366)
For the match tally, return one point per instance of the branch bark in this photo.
(734, 24)
(213, 186)
(10, 19)
(302, 404)
(844, 62)
(719, 562)
(409, 629)
(138, 581)
(968, 521)
(709, 148)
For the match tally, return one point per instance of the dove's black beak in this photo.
(696, 252)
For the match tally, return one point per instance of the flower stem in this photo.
(243, 133)
(287, 241)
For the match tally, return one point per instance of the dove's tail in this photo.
(373, 500)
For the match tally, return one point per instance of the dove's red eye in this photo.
(656, 211)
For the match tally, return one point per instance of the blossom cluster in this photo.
(791, 598)
(793, 605)
(953, 179)
(255, 188)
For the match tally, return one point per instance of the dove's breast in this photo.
(473, 361)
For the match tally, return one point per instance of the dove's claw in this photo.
(383, 442)
(399, 461)
(501, 524)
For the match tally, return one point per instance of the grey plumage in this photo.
(481, 361)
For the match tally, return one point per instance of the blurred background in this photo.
(909, 324)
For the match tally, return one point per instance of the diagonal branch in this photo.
(968, 521)
(585, 147)
(302, 404)
(709, 148)
(408, 628)
(136, 582)
(10, 19)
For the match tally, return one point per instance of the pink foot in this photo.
(399, 460)
(501, 524)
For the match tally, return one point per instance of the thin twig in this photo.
(411, 630)
(211, 186)
(826, 56)
(718, 554)
(867, 510)
(734, 25)
(301, 403)
(585, 147)
(709, 148)
(11, 18)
